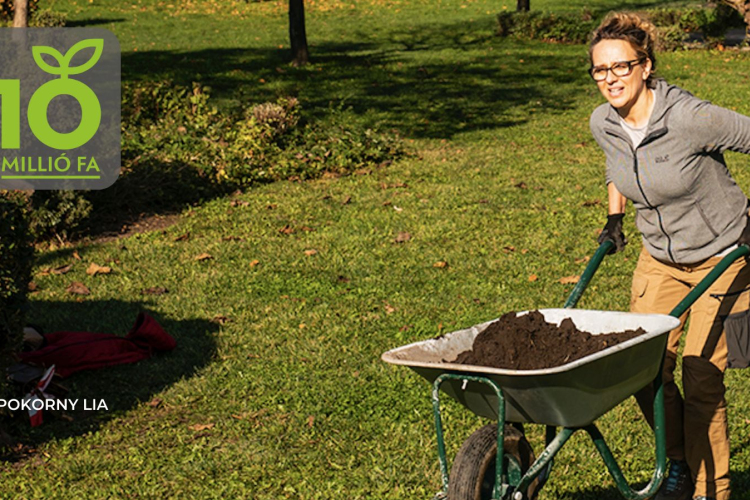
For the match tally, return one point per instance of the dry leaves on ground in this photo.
(402, 237)
(95, 269)
(569, 279)
(78, 288)
(201, 427)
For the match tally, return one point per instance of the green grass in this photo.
(289, 399)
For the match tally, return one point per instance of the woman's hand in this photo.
(613, 232)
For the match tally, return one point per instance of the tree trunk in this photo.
(297, 35)
(21, 14)
(523, 5)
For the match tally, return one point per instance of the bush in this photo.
(264, 142)
(57, 213)
(536, 25)
(47, 19)
(672, 25)
(16, 254)
(178, 149)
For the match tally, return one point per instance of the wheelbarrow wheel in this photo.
(472, 475)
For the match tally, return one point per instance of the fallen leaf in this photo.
(521, 185)
(310, 421)
(76, 256)
(201, 427)
(306, 228)
(154, 403)
(525, 251)
(204, 256)
(402, 237)
(389, 309)
(287, 229)
(95, 269)
(578, 187)
(386, 203)
(569, 279)
(271, 206)
(533, 277)
(582, 260)
(397, 209)
(232, 238)
(591, 203)
(311, 252)
(62, 269)
(346, 200)
(183, 237)
(440, 264)
(155, 290)
(238, 203)
(78, 288)
(221, 319)
(343, 279)
(33, 287)
(509, 249)
(254, 262)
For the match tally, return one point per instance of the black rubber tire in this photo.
(472, 475)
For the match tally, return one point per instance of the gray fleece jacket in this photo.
(688, 207)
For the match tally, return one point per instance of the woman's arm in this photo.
(617, 200)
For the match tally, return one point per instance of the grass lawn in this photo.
(276, 389)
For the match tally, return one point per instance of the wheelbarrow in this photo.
(502, 466)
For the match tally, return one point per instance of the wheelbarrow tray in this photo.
(571, 395)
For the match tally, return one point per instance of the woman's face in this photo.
(622, 92)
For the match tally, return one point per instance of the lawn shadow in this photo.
(470, 84)
(121, 387)
(85, 23)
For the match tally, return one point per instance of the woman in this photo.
(664, 150)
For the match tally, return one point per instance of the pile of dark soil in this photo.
(528, 342)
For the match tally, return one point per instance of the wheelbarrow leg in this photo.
(661, 453)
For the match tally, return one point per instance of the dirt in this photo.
(528, 342)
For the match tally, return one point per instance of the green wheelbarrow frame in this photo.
(518, 482)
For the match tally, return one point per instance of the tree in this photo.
(21, 14)
(297, 35)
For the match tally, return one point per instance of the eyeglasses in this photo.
(619, 69)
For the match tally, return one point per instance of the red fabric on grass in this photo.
(71, 352)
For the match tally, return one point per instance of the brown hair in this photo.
(630, 27)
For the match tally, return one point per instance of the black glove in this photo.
(745, 236)
(613, 232)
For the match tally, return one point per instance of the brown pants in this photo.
(696, 426)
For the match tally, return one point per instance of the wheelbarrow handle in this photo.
(588, 273)
(705, 283)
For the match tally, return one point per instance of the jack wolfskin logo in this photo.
(662, 159)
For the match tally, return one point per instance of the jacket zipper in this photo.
(640, 186)
(658, 214)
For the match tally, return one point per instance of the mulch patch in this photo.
(528, 342)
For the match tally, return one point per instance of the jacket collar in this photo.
(657, 123)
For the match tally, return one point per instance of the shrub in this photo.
(672, 24)
(537, 25)
(264, 142)
(16, 254)
(177, 148)
(57, 213)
